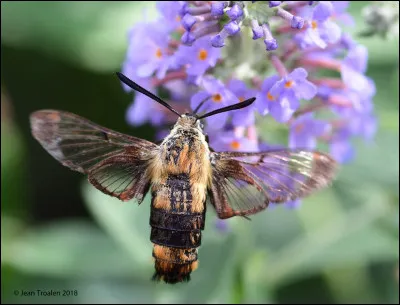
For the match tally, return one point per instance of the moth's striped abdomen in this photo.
(176, 229)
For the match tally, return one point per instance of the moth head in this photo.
(189, 121)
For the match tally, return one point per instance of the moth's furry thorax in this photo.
(184, 150)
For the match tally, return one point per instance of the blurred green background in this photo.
(60, 233)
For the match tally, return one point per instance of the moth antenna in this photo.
(201, 104)
(140, 89)
(236, 106)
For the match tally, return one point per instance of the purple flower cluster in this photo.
(309, 76)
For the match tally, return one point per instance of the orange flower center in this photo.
(202, 54)
(217, 98)
(241, 99)
(180, 29)
(299, 128)
(235, 145)
(270, 97)
(314, 24)
(289, 84)
(178, 18)
(158, 53)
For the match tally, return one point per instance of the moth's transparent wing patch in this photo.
(245, 183)
(122, 177)
(88, 148)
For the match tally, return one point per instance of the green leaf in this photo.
(379, 157)
(126, 223)
(67, 249)
(274, 228)
(91, 34)
(347, 238)
(272, 132)
(254, 291)
(260, 11)
(13, 167)
(381, 51)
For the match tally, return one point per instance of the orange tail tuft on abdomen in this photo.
(174, 265)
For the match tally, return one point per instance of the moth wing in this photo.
(115, 163)
(246, 183)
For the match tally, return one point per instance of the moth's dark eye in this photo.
(207, 139)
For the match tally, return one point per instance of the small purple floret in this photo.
(297, 22)
(271, 44)
(188, 21)
(217, 41)
(188, 38)
(217, 8)
(257, 30)
(232, 28)
(235, 12)
(274, 3)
